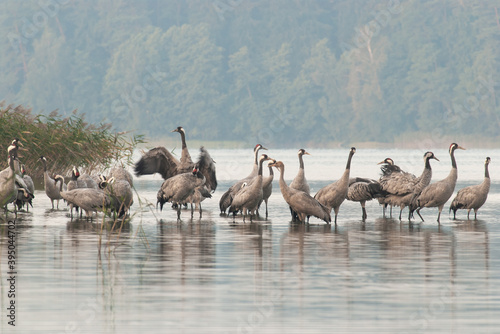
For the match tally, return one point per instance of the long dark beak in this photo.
(460, 147)
(381, 162)
(435, 158)
(263, 148)
(174, 130)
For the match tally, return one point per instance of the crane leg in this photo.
(364, 216)
(418, 212)
(468, 213)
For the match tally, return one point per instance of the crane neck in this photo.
(271, 173)
(453, 161)
(348, 165)
(486, 171)
(283, 185)
(256, 157)
(260, 167)
(428, 163)
(183, 139)
(11, 163)
(301, 162)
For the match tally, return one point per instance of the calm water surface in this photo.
(211, 275)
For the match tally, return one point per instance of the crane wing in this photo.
(157, 160)
(206, 166)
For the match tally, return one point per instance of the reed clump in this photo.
(64, 141)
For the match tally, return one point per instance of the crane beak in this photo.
(460, 147)
(381, 162)
(175, 130)
(305, 152)
(436, 158)
(263, 148)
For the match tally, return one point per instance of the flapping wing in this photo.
(206, 165)
(157, 160)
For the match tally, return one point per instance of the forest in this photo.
(281, 72)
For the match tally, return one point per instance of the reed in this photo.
(64, 141)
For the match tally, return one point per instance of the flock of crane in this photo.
(187, 182)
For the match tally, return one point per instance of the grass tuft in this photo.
(64, 141)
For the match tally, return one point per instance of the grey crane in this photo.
(89, 181)
(27, 179)
(267, 185)
(199, 195)
(300, 181)
(473, 197)
(8, 187)
(186, 160)
(25, 196)
(121, 191)
(401, 187)
(247, 199)
(362, 190)
(50, 184)
(301, 202)
(178, 188)
(120, 173)
(438, 193)
(90, 200)
(388, 167)
(227, 198)
(334, 194)
(160, 160)
(75, 183)
(22, 194)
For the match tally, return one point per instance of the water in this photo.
(211, 275)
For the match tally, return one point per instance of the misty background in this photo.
(279, 72)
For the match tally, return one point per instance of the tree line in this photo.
(285, 72)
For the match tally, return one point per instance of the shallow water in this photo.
(213, 275)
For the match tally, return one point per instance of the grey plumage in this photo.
(267, 186)
(88, 199)
(362, 190)
(75, 183)
(8, 188)
(472, 197)
(186, 160)
(300, 181)
(334, 194)
(247, 199)
(438, 193)
(27, 179)
(120, 173)
(199, 195)
(301, 202)
(227, 198)
(121, 192)
(178, 188)
(89, 181)
(388, 167)
(52, 190)
(401, 188)
(160, 160)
